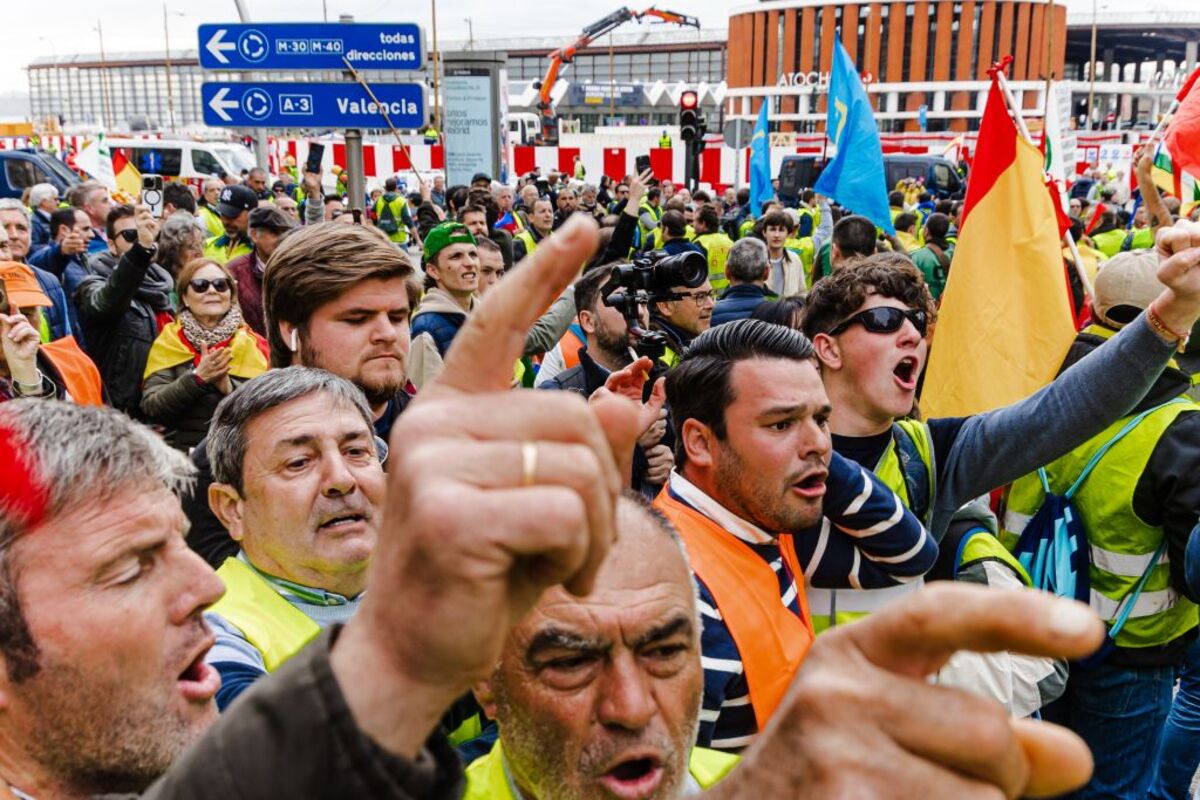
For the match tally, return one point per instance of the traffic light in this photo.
(689, 116)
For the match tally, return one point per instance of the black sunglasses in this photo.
(200, 285)
(130, 235)
(885, 319)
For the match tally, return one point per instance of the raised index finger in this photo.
(493, 337)
(917, 635)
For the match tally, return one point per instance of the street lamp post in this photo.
(167, 60)
(470, 33)
(104, 93)
(1092, 70)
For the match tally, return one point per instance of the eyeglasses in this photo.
(885, 319)
(129, 234)
(200, 285)
(701, 297)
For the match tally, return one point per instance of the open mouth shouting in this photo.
(199, 682)
(906, 373)
(634, 778)
(811, 485)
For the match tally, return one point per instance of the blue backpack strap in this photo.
(1118, 436)
(1128, 602)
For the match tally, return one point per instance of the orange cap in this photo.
(22, 286)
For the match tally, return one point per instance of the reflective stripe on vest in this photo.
(716, 248)
(228, 251)
(771, 640)
(1122, 544)
(275, 627)
(76, 371)
(487, 778)
(832, 607)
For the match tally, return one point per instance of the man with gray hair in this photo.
(747, 268)
(299, 485)
(101, 636)
(43, 200)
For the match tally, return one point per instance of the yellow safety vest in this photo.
(275, 627)
(1109, 242)
(647, 233)
(399, 213)
(487, 778)
(831, 607)
(716, 248)
(526, 236)
(221, 248)
(746, 227)
(664, 141)
(1122, 544)
(212, 221)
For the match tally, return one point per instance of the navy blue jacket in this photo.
(738, 302)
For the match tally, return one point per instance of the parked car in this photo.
(23, 167)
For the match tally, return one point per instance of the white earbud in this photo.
(295, 340)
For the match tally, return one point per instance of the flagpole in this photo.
(1002, 82)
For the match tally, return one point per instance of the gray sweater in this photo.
(977, 454)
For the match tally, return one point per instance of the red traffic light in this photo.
(689, 99)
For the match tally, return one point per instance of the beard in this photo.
(538, 750)
(106, 736)
(379, 389)
(615, 346)
(755, 500)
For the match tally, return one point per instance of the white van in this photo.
(182, 159)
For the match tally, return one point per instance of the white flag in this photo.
(96, 160)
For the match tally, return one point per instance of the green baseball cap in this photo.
(443, 236)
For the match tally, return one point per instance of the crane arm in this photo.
(593, 32)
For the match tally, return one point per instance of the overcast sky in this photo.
(69, 26)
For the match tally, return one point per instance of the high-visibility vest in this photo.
(1109, 242)
(212, 221)
(1122, 544)
(570, 344)
(76, 371)
(223, 249)
(746, 228)
(648, 233)
(526, 236)
(275, 627)
(771, 640)
(831, 607)
(399, 208)
(716, 248)
(803, 247)
(664, 141)
(1138, 239)
(487, 778)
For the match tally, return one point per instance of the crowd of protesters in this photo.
(279, 515)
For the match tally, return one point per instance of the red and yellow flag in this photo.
(1005, 320)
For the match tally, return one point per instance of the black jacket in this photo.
(738, 302)
(118, 304)
(293, 735)
(206, 535)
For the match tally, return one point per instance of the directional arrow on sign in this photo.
(216, 45)
(218, 104)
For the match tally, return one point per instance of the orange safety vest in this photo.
(771, 640)
(570, 345)
(77, 372)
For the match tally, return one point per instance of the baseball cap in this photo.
(1125, 285)
(443, 236)
(236, 199)
(480, 176)
(22, 286)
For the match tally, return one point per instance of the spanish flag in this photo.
(1005, 319)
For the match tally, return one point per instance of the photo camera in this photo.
(651, 277)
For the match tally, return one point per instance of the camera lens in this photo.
(681, 269)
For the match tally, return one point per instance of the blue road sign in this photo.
(312, 105)
(311, 45)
